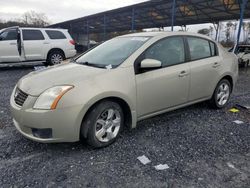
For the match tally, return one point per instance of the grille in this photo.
(20, 97)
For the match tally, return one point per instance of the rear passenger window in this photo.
(32, 35)
(213, 49)
(55, 34)
(199, 48)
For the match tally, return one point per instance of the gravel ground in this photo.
(202, 147)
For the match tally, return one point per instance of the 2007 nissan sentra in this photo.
(120, 82)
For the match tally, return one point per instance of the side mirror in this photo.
(150, 64)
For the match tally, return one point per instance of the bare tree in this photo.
(211, 31)
(28, 19)
(35, 19)
(246, 31)
(234, 30)
(229, 26)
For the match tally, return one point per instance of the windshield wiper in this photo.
(92, 64)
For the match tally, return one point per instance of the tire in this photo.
(55, 57)
(105, 121)
(221, 94)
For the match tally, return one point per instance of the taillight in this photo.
(72, 42)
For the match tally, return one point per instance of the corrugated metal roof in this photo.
(157, 13)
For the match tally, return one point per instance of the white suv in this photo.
(35, 44)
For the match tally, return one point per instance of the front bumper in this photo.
(64, 123)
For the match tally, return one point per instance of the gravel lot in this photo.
(202, 147)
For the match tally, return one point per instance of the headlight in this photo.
(49, 99)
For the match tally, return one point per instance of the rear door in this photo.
(205, 66)
(34, 44)
(9, 46)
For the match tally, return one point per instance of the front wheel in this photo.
(221, 94)
(105, 121)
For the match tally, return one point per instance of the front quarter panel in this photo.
(118, 83)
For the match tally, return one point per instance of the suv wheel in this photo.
(221, 94)
(55, 57)
(105, 121)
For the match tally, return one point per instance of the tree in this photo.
(211, 31)
(234, 30)
(204, 31)
(35, 19)
(246, 31)
(28, 19)
(229, 26)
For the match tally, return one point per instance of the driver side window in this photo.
(9, 35)
(169, 51)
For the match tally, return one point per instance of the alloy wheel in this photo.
(108, 125)
(223, 94)
(56, 59)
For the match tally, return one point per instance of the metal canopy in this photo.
(157, 13)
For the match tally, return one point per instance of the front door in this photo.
(9, 48)
(167, 86)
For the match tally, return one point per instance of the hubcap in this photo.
(108, 125)
(223, 94)
(56, 59)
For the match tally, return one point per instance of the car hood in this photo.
(36, 82)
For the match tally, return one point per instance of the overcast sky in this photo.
(59, 10)
(62, 10)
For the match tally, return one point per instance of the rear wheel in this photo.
(221, 94)
(55, 57)
(105, 121)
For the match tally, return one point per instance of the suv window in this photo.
(199, 48)
(169, 51)
(32, 35)
(55, 34)
(243, 49)
(9, 35)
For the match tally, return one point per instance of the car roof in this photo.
(165, 34)
(43, 28)
(15, 27)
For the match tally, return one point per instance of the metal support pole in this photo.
(70, 29)
(104, 27)
(88, 42)
(133, 20)
(173, 15)
(242, 10)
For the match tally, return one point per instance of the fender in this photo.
(104, 96)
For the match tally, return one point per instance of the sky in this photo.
(59, 10)
(63, 10)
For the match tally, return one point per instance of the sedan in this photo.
(120, 82)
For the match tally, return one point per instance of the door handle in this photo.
(13, 43)
(46, 43)
(216, 64)
(183, 74)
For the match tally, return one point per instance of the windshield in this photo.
(113, 52)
